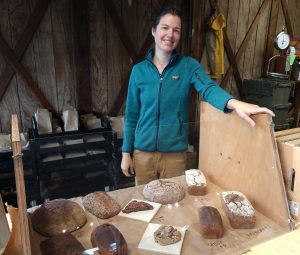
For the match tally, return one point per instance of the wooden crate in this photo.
(289, 150)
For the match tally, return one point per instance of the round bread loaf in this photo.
(58, 216)
(101, 205)
(163, 191)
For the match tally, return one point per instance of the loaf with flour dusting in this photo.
(163, 191)
(239, 210)
(196, 182)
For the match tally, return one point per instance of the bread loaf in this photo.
(61, 245)
(163, 191)
(58, 216)
(109, 240)
(196, 182)
(101, 205)
(211, 224)
(239, 210)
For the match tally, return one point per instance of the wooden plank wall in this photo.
(49, 59)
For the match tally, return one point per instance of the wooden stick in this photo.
(20, 186)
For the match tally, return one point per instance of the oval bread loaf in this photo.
(101, 205)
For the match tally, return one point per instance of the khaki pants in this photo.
(150, 166)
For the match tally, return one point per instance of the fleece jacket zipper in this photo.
(161, 77)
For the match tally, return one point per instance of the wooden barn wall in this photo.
(49, 58)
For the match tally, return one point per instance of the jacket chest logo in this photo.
(175, 77)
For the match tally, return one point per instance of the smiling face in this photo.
(167, 33)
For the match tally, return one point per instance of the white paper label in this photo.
(294, 208)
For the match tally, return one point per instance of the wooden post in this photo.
(20, 186)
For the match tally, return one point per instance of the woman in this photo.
(156, 118)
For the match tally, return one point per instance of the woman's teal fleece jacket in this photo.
(156, 116)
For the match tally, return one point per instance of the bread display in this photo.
(61, 245)
(101, 205)
(239, 210)
(109, 240)
(196, 182)
(166, 235)
(211, 224)
(136, 206)
(163, 191)
(58, 216)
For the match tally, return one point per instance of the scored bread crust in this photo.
(238, 209)
(101, 205)
(163, 191)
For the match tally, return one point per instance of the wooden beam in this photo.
(234, 65)
(197, 47)
(145, 47)
(128, 44)
(20, 186)
(245, 41)
(21, 71)
(230, 54)
(123, 91)
(287, 18)
(271, 34)
(197, 29)
(23, 42)
(82, 55)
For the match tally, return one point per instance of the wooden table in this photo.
(185, 212)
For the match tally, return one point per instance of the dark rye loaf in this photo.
(109, 240)
(58, 216)
(61, 245)
(211, 224)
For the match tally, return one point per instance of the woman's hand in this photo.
(127, 164)
(245, 110)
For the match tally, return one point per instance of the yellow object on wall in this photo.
(215, 45)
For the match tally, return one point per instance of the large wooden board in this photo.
(236, 156)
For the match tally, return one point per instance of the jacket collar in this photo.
(173, 59)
